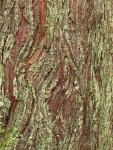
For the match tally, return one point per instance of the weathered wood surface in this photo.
(56, 75)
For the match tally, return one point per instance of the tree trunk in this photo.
(56, 75)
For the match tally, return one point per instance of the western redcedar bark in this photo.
(56, 74)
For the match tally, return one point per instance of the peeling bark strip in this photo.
(22, 33)
(39, 33)
(11, 76)
(42, 15)
(42, 12)
(56, 74)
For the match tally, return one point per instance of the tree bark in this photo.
(56, 75)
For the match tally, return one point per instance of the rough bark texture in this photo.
(56, 75)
